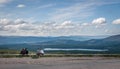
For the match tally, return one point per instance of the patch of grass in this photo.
(111, 55)
(34, 57)
(82, 55)
(60, 55)
(9, 51)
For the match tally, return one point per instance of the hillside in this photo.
(112, 43)
(34, 39)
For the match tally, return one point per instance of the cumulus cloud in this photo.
(117, 21)
(65, 24)
(100, 20)
(22, 27)
(19, 21)
(21, 6)
(49, 28)
(4, 22)
(18, 24)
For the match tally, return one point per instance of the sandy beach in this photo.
(60, 63)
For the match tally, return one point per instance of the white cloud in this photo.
(85, 24)
(5, 22)
(21, 6)
(65, 24)
(100, 20)
(43, 29)
(80, 10)
(19, 21)
(106, 30)
(4, 1)
(24, 28)
(117, 21)
(18, 24)
(45, 6)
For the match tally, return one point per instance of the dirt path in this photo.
(60, 63)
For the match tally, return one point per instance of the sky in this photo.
(59, 17)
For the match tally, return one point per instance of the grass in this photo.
(82, 55)
(7, 53)
(59, 55)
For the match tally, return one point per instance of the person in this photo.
(40, 52)
(22, 52)
(26, 51)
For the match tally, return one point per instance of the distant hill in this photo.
(22, 39)
(33, 39)
(112, 43)
(112, 40)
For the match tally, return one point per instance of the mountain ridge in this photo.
(33, 39)
(112, 44)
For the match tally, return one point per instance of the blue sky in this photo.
(59, 17)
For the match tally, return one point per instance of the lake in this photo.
(73, 49)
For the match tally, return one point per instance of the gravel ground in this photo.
(60, 63)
